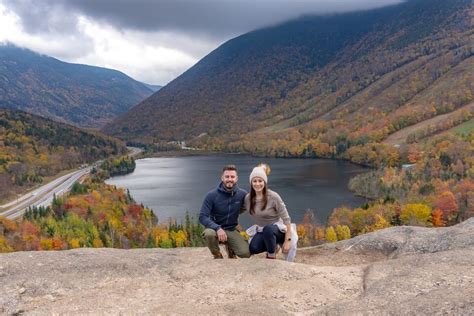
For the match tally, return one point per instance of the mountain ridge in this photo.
(83, 95)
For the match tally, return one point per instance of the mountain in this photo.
(318, 84)
(33, 147)
(82, 95)
(153, 87)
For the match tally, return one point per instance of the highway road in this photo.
(43, 196)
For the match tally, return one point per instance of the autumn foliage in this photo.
(101, 216)
(437, 190)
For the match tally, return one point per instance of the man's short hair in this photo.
(229, 167)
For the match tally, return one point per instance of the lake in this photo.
(172, 186)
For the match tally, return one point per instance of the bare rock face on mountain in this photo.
(403, 270)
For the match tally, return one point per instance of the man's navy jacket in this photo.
(221, 208)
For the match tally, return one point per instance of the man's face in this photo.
(229, 178)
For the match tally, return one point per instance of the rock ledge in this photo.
(401, 270)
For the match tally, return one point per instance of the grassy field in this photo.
(400, 136)
(464, 128)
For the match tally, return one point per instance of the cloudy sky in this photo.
(150, 40)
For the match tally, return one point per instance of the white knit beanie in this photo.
(259, 171)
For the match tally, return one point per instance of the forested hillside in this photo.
(32, 148)
(82, 95)
(318, 86)
(435, 190)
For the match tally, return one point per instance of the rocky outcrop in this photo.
(405, 240)
(402, 270)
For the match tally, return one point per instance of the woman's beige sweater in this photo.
(274, 212)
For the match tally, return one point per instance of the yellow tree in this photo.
(380, 222)
(303, 238)
(343, 232)
(331, 234)
(416, 215)
(4, 246)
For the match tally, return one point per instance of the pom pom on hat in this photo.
(266, 167)
(261, 171)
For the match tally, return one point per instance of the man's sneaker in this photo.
(230, 252)
(218, 255)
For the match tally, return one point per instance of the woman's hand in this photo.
(286, 246)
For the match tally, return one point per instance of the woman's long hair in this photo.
(253, 198)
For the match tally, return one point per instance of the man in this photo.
(219, 215)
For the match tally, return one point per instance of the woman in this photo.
(273, 224)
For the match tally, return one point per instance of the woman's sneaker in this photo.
(271, 256)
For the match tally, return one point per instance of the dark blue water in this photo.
(172, 186)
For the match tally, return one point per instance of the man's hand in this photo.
(286, 246)
(221, 235)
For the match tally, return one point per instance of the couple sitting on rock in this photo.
(223, 205)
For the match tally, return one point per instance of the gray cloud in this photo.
(215, 18)
(168, 35)
(49, 17)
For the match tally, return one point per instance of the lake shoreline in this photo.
(192, 153)
(177, 153)
(172, 185)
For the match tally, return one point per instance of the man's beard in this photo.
(229, 185)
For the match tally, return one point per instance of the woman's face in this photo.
(258, 184)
